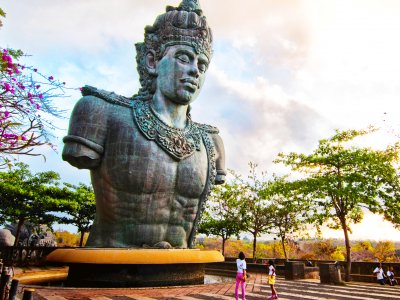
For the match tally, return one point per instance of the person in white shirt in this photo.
(379, 274)
(241, 276)
(390, 276)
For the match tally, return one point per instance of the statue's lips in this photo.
(190, 83)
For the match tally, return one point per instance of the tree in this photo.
(362, 251)
(80, 205)
(342, 179)
(26, 196)
(2, 15)
(26, 99)
(391, 205)
(254, 205)
(287, 210)
(223, 215)
(384, 251)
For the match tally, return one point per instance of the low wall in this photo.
(360, 271)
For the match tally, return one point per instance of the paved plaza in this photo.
(257, 288)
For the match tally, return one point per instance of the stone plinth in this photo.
(294, 270)
(115, 267)
(329, 274)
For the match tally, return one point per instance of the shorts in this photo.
(271, 279)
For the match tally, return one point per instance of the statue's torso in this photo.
(144, 196)
(150, 181)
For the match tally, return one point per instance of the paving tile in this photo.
(257, 289)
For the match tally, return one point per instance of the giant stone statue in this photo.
(152, 166)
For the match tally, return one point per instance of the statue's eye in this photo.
(183, 58)
(202, 67)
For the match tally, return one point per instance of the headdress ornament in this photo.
(184, 24)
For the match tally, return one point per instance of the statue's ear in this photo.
(151, 64)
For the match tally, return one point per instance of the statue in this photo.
(151, 166)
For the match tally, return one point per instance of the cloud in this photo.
(90, 25)
(257, 119)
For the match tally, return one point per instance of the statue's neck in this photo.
(170, 113)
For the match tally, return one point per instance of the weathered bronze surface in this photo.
(151, 166)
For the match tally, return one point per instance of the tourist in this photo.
(271, 279)
(390, 276)
(380, 274)
(241, 276)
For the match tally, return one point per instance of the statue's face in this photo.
(181, 74)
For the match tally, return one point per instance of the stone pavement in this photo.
(257, 288)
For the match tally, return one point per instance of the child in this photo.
(241, 276)
(390, 275)
(271, 279)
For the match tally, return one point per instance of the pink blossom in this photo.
(6, 114)
(37, 106)
(40, 96)
(37, 87)
(51, 78)
(7, 87)
(35, 70)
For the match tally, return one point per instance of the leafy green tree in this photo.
(344, 178)
(80, 206)
(287, 210)
(254, 204)
(2, 15)
(223, 215)
(26, 196)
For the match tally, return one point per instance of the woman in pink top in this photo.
(241, 276)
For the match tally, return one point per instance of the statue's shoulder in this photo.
(109, 97)
(207, 128)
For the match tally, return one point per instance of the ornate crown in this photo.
(183, 25)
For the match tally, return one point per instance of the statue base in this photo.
(121, 267)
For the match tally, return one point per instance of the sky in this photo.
(284, 74)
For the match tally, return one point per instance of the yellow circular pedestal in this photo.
(114, 256)
(121, 267)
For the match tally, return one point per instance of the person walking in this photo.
(241, 276)
(271, 279)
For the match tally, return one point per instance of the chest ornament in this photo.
(179, 143)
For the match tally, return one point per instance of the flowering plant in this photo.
(25, 104)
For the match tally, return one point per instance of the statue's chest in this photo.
(135, 164)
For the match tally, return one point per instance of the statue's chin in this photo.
(185, 97)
